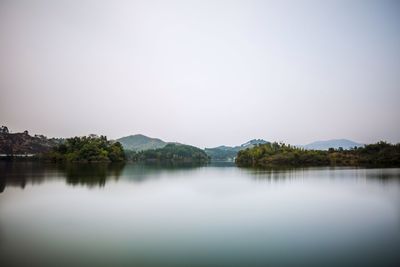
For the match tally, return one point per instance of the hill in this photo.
(381, 154)
(174, 153)
(334, 143)
(17, 144)
(227, 153)
(139, 142)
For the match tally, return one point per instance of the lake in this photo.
(216, 215)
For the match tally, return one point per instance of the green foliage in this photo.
(173, 153)
(279, 154)
(87, 149)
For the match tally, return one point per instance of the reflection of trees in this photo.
(276, 174)
(22, 173)
(2, 183)
(383, 175)
(91, 174)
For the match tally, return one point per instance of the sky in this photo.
(205, 73)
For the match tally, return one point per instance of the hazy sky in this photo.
(202, 72)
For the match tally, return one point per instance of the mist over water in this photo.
(216, 215)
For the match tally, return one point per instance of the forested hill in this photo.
(170, 153)
(381, 154)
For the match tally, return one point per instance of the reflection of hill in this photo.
(383, 174)
(2, 184)
(274, 174)
(20, 174)
(91, 174)
(281, 174)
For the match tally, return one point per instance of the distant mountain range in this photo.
(334, 143)
(139, 142)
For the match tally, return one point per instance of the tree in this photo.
(4, 129)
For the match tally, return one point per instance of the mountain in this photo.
(139, 142)
(334, 143)
(228, 153)
(16, 144)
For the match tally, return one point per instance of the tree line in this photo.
(279, 154)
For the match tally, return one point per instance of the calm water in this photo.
(218, 215)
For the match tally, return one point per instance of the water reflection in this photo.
(142, 172)
(276, 174)
(19, 174)
(22, 173)
(218, 215)
(91, 175)
(383, 175)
